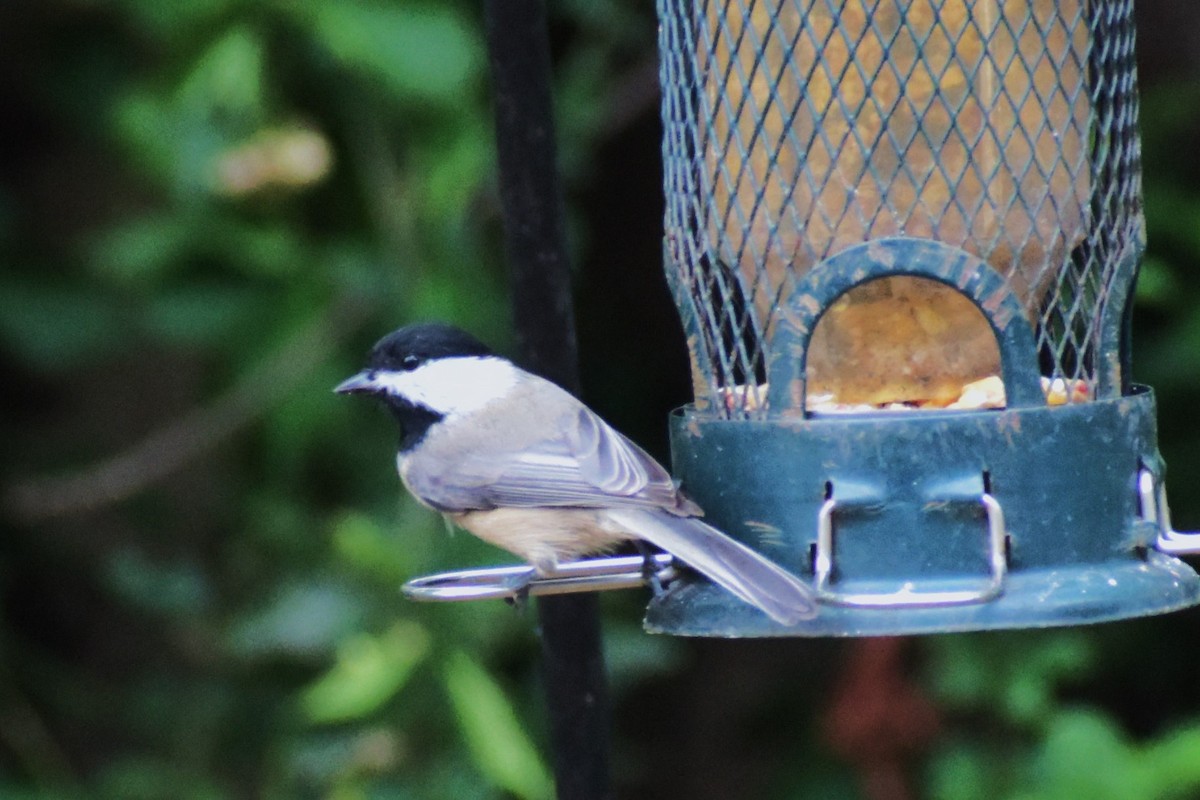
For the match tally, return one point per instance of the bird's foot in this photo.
(521, 587)
(519, 599)
(651, 573)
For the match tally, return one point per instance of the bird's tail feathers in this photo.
(747, 574)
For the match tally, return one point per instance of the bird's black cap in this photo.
(413, 345)
(406, 350)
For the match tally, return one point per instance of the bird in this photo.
(522, 464)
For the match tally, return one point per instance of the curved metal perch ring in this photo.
(588, 575)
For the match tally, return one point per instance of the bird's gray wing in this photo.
(583, 462)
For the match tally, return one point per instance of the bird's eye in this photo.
(410, 363)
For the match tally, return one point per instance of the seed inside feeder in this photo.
(987, 393)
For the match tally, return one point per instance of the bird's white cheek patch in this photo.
(454, 386)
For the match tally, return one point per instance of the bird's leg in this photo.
(543, 566)
(519, 598)
(649, 567)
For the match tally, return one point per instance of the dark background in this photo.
(209, 210)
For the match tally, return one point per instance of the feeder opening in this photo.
(902, 343)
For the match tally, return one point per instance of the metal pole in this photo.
(539, 274)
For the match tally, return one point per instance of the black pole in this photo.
(539, 274)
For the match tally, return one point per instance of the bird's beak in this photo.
(362, 383)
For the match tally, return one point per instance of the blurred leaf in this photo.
(455, 173)
(962, 773)
(177, 588)
(369, 671)
(201, 315)
(1173, 213)
(56, 327)
(1022, 670)
(11, 790)
(142, 251)
(498, 743)
(276, 522)
(362, 543)
(304, 422)
(257, 250)
(418, 50)
(1174, 762)
(145, 127)
(146, 252)
(1028, 696)
(178, 133)
(1085, 756)
(176, 22)
(145, 779)
(356, 267)
(302, 621)
(1156, 283)
(226, 81)
(961, 673)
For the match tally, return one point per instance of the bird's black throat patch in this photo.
(414, 420)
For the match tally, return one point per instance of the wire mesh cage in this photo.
(795, 129)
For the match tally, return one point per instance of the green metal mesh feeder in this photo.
(903, 238)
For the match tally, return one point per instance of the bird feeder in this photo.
(903, 239)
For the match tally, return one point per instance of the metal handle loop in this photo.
(907, 596)
(1152, 494)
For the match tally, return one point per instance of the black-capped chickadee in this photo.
(520, 463)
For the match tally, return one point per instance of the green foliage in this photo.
(32, 316)
(249, 194)
(1033, 746)
(209, 209)
(397, 44)
(492, 731)
(369, 671)
(1015, 676)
